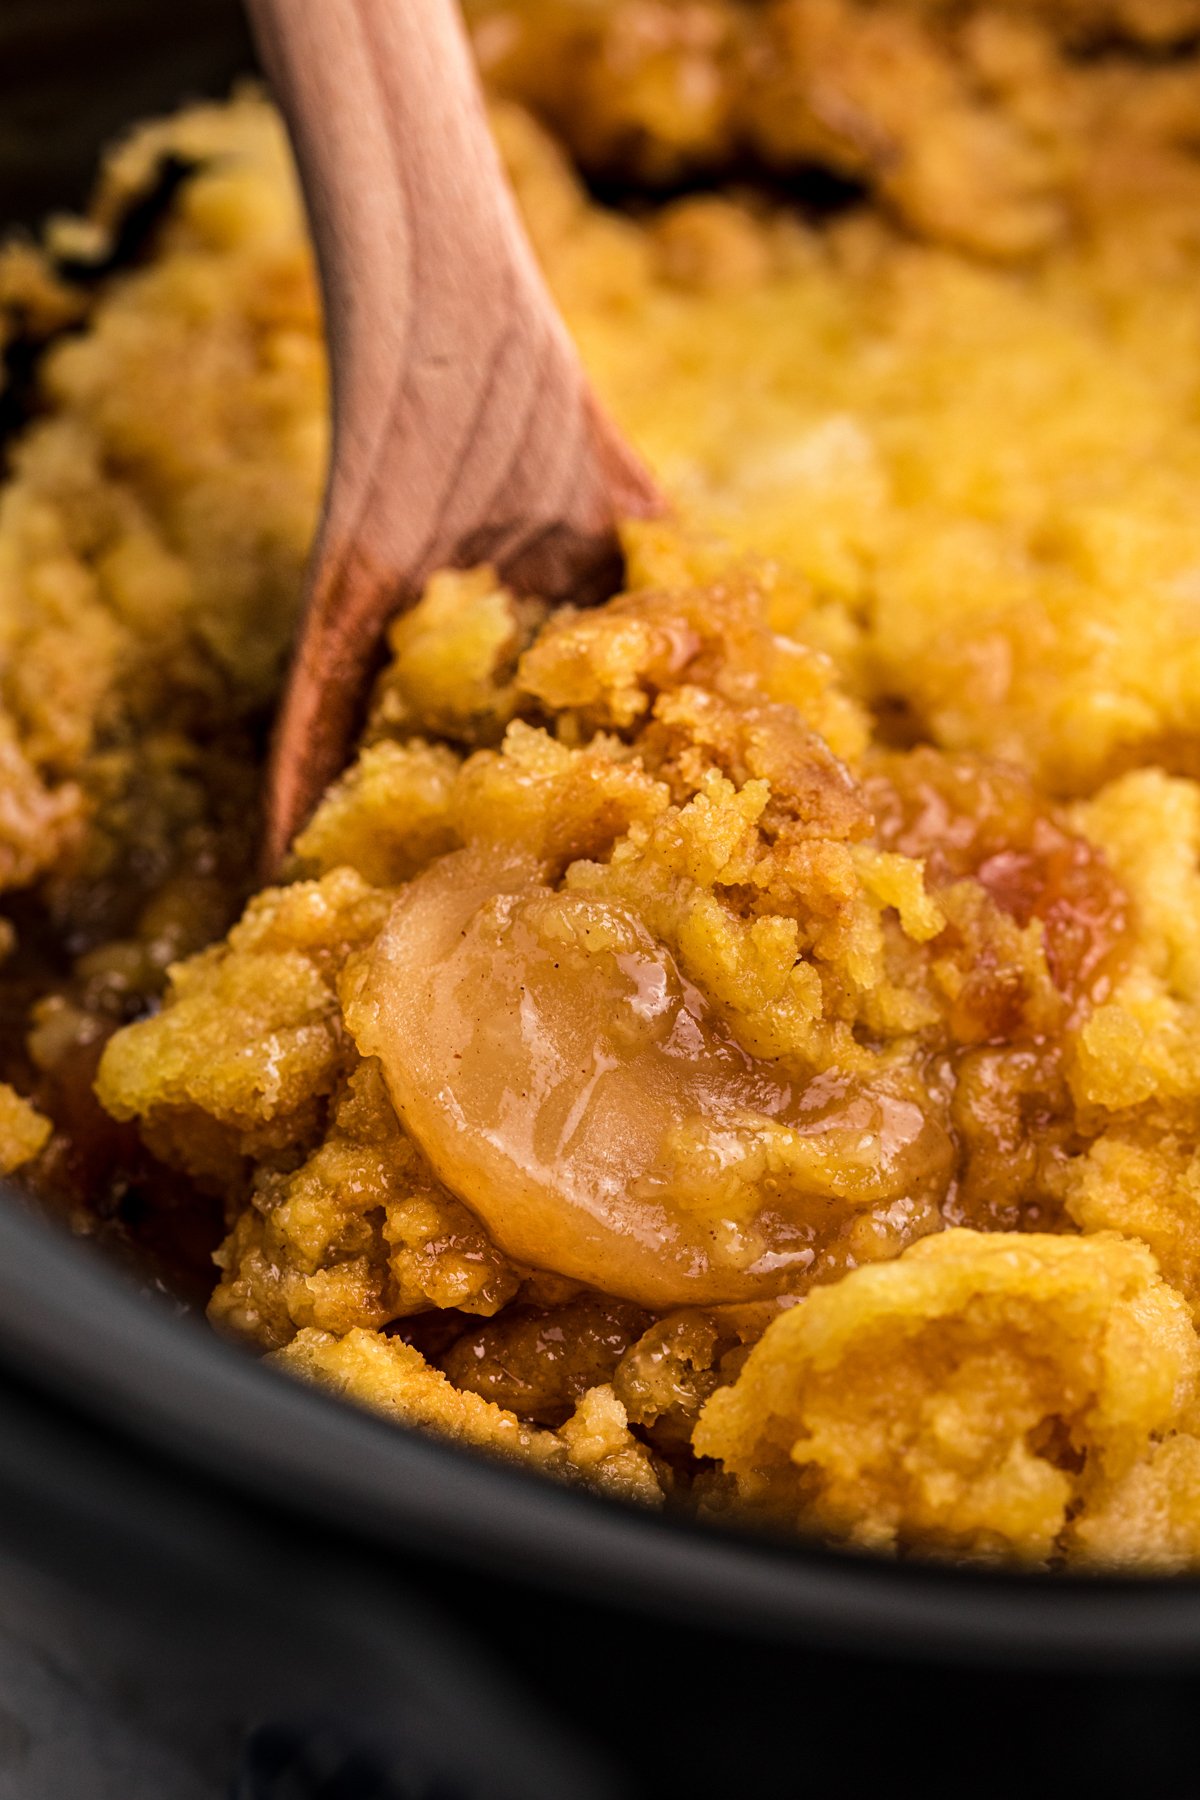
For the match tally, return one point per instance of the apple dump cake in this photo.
(738, 1046)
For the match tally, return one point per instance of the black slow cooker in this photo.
(284, 1596)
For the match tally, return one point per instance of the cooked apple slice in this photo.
(589, 1104)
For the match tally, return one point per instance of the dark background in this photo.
(75, 73)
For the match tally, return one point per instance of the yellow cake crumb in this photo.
(23, 1130)
(972, 1396)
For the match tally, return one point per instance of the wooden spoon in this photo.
(465, 430)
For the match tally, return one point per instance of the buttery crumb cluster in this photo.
(738, 1046)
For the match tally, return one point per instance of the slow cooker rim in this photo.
(169, 1387)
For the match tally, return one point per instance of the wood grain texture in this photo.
(464, 428)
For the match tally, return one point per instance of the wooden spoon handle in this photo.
(464, 428)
